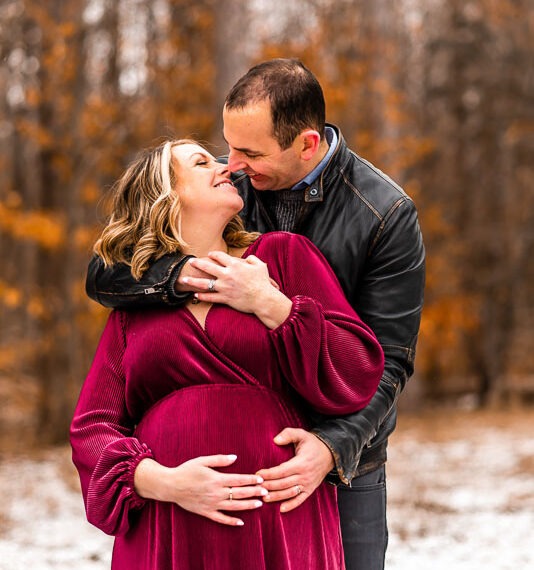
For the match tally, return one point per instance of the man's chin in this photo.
(260, 184)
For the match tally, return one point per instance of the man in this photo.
(298, 175)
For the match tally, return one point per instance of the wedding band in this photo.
(230, 495)
(211, 285)
(299, 490)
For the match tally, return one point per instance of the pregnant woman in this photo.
(181, 405)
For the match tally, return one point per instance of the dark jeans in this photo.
(362, 510)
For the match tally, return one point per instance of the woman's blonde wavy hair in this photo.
(145, 221)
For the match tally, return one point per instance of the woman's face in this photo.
(203, 183)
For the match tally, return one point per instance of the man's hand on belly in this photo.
(295, 480)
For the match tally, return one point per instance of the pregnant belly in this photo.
(219, 418)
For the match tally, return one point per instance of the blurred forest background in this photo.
(437, 93)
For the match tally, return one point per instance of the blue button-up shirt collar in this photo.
(331, 138)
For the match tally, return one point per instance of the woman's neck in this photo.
(200, 241)
(202, 248)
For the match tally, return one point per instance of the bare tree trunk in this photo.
(232, 25)
(58, 365)
(467, 111)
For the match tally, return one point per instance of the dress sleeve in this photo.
(326, 352)
(103, 449)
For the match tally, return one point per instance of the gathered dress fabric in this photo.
(162, 386)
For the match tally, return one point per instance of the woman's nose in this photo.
(223, 169)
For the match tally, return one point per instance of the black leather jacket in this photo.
(368, 230)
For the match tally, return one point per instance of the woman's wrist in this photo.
(273, 309)
(148, 479)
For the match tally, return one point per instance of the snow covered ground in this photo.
(461, 492)
(460, 484)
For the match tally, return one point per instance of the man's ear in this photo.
(310, 141)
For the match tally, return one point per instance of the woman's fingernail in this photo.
(232, 457)
(258, 504)
(264, 492)
(185, 279)
(259, 480)
(239, 523)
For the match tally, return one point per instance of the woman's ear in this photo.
(310, 141)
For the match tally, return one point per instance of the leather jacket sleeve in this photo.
(115, 287)
(390, 301)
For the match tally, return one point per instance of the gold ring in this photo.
(230, 495)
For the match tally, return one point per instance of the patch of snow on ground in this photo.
(42, 523)
(466, 502)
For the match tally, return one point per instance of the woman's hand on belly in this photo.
(196, 486)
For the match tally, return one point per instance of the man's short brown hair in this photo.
(293, 91)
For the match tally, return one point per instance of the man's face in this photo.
(253, 149)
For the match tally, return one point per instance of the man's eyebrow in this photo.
(244, 150)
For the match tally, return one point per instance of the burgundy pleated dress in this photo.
(161, 386)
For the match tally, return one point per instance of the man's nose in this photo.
(235, 163)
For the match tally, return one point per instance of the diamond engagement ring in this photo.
(211, 285)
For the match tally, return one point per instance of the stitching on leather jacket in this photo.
(385, 219)
(361, 197)
(399, 346)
